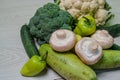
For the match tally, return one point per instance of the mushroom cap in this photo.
(103, 38)
(88, 50)
(62, 40)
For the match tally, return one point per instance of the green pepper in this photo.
(33, 66)
(86, 26)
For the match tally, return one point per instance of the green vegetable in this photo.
(28, 41)
(48, 19)
(86, 26)
(78, 37)
(68, 65)
(33, 66)
(115, 47)
(110, 17)
(110, 59)
(114, 30)
(110, 14)
(107, 6)
(36, 63)
(57, 1)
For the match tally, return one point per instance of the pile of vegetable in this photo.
(71, 43)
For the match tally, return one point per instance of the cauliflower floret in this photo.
(62, 1)
(74, 1)
(94, 1)
(93, 6)
(86, 0)
(101, 16)
(85, 7)
(74, 12)
(61, 5)
(101, 3)
(68, 4)
(77, 4)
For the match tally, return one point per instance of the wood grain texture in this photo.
(15, 13)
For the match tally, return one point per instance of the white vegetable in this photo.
(103, 38)
(85, 7)
(101, 3)
(68, 4)
(101, 16)
(62, 40)
(77, 4)
(93, 6)
(74, 12)
(77, 8)
(86, 0)
(62, 1)
(88, 50)
(61, 5)
(94, 1)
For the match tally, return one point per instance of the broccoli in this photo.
(48, 19)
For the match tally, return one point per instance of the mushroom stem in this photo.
(93, 47)
(61, 34)
(105, 33)
(88, 50)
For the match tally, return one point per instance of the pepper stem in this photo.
(87, 20)
(44, 56)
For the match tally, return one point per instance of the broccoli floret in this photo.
(48, 19)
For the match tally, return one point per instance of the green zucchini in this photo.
(67, 64)
(28, 41)
(110, 60)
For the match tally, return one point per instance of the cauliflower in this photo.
(78, 8)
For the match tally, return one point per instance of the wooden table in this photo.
(15, 13)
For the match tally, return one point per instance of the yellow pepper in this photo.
(86, 26)
(33, 66)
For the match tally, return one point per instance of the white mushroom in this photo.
(62, 40)
(88, 50)
(103, 38)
